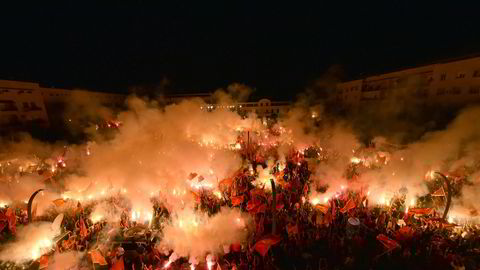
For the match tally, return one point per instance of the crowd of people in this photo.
(289, 231)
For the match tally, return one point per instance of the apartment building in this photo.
(454, 82)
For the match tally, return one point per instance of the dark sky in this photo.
(276, 48)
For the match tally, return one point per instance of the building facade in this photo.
(21, 104)
(448, 83)
(27, 104)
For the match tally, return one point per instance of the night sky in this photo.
(278, 49)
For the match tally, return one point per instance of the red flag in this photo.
(191, 176)
(334, 209)
(12, 220)
(83, 229)
(292, 229)
(439, 193)
(323, 208)
(256, 206)
(420, 211)
(118, 265)
(264, 245)
(257, 192)
(405, 233)
(59, 202)
(388, 243)
(43, 262)
(237, 200)
(348, 206)
(236, 247)
(3, 224)
(97, 257)
(259, 227)
(227, 182)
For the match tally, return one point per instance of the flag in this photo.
(12, 220)
(405, 233)
(59, 202)
(118, 265)
(420, 211)
(227, 182)
(292, 229)
(83, 229)
(253, 205)
(257, 192)
(348, 206)
(439, 193)
(97, 257)
(196, 196)
(236, 247)
(3, 224)
(334, 209)
(388, 243)
(191, 176)
(323, 208)
(237, 200)
(68, 244)
(43, 262)
(262, 246)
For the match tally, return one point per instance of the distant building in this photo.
(21, 104)
(453, 82)
(26, 104)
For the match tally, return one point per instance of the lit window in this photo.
(443, 77)
(460, 75)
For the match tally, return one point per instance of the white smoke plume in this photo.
(195, 234)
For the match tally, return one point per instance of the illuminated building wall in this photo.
(447, 83)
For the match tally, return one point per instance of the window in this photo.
(474, 90)
(7, 106)
(440, 91)
(443, 77)
(460, 75)
(455, 91)
(476, 73)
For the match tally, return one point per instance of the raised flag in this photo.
(12, 220)
(420, 211)
(388, 243)
(348, 206)
(262, 246)
(97, 257)
(322, 207)
(59, 202)
(292, 229)
(237, 200)
(43, 262)
(83, 229)
(439, 193)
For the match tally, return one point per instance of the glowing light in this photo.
(315, 201)
(342, 187)
(355, 160)
(167, 264)
(218, 194)
(450, 219)
(326, 199)
(96, 218)
(368, 193)
(412, 202)
(238, 146)
(124, 190)
(401, 158)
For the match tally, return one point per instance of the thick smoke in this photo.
(193, 234)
